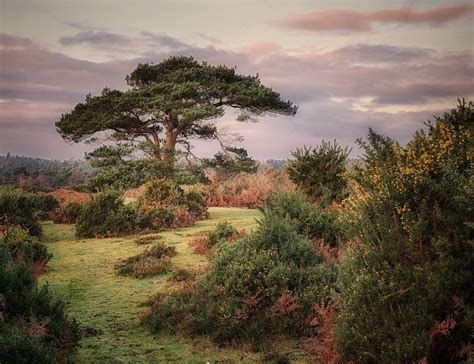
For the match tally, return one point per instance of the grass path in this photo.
(82, 273)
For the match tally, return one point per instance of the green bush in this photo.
(164, 204)
(319, 172)
(406, 284)
(195, 202)
(222, 232)
(72, 212)
(20, 208)
(307, 218)
(46, 204)
(160, 192)
(25, 248)
(263, 285)
(105, 215)
(34, 327)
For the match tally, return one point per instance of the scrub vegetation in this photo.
(163, 257)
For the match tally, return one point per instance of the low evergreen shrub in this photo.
(72, 212)
(264, 284)
(319, 172)
(46, 204)
(165, 205)
(34, 327)
(309, 219)
(148, 239)
(154, 260)
(405, 284)
(221, 233)
(105, 215)
(20, 208)
(26, 249)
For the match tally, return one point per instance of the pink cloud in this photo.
(9, 41)
(359, 21)
(261, 48)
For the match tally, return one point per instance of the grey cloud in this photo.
(208, 38)
(96, 38)
(163, 40)
(81, 26)
(122, 44)
(382, 53)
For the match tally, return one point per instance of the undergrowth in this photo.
(154, 260)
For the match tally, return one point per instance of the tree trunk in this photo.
(170, 146)
(156, 145)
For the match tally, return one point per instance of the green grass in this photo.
(82, 273)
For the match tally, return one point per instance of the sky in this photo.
(348, 65)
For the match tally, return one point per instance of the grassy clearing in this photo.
(82, 273)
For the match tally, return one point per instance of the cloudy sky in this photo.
(348, 65)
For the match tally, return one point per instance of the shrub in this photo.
(72, 212)
(163, 204)
(262, 285)
(105, 215)
(148, 239)
(70, 204)
(154, 260)
(307, 218)
(46, 204)
(196, 204)
(20, 208)
(34, 326)
(247, 190)
(181, 275)
(26, 249)
(200, 245)
(222, 232)
(319, 172)
(406, 283)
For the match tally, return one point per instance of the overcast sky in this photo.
(348, 65)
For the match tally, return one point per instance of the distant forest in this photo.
(43, 174)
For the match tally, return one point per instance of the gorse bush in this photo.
(319, 172)
(154, 260)
(33, 327)
(46, 204)
(20, 208)
(262, 285)
(105, 215)
(164, 204)
(406, 283)
(307, 218)
(72, 212)
(26, 249)
(148, 239)
(222, 232)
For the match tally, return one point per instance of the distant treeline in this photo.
(43, 174)
(272, 163)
